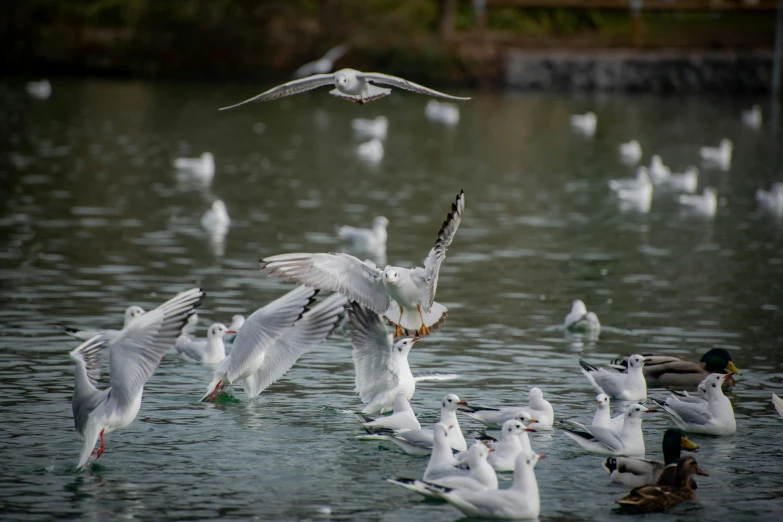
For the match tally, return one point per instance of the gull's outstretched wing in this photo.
(263, 328)
(372, 347)
(289, 88)
(86, 395)
(428, 275)
(306, 334)
(358, 281)
(400, 83)
(137, 351)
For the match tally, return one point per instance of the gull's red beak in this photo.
(462, 403)
(531, 430)
(540, 457)
(415, 338)
(231, 331)
(651, 410)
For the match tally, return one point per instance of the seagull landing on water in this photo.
(406, 297)
(133, 356)
(324, 64)
(350, 84)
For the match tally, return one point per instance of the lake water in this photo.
(93, 218)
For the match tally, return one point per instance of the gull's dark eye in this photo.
(714, 385)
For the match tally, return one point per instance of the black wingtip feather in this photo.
(587, 366)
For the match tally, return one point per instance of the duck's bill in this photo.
(687, 444)
(732, 368)
(700, 471)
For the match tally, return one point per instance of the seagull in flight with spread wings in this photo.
(133, 356)
(350, 84)
(406, 297)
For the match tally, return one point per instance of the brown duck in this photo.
(648, 499)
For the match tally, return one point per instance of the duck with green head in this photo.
(648, 499)
(677, 371)
(639, 472)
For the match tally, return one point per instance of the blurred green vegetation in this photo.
(260, 37)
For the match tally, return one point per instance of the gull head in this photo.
(527, 460)
(523, 416)
(636, 362)
(535, 394)
(391, 275)
(513, 427)
(477, 454)
(603, 400)
(403, 346)
(132, 312)
(726, 144)
(635, 411)
(714, 382)
(380, 221)
(451, 402)
(217, 331)
(345, 78)
(578, 307)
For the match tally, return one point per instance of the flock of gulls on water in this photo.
(637, 193)
(386, 312)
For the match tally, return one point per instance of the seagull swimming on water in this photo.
(406, 297)
(630, 386)
(350, 84)
(133, 356)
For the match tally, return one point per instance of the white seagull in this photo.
(580, 320)
(350, 84)
(371, 151)
(772, 200)
(603, 414)
(538, 409)
(659, 172)
(627, 441)
(442, 112)
(273, 338)
(630, 386)
(419, 442)
(216, 217)
(442, 462)
(720, 155)
(636, 192)
(406, 297)
(41, 89)
(480, 477)
(201, 168)
(631, 151)
(208, 351)
(324, 64)
(706, 203)
(133, 356)
(585, 123)
(513, 441)
(403, 417)
(131, 313)
(688, 181)
(715, 416)
(519, 502)
(752, 117)
(367, 239)
(377, 128)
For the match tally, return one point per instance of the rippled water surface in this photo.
(93, 218)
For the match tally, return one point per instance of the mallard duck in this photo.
(637, 472)
(647, 499)
(674, 370)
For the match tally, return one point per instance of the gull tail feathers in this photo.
(592, 380)
(411, 323)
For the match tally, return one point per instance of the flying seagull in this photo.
(350, 84)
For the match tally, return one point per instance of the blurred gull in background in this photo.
(706, 203)
(442, 112)
(636, 193)
(688, 181)
(371, 151)
(40, 90)
(580, 320)
(585, 123)
(325, 64)
(631, 151)
(771, 201)
(377, 128)
(208, 351)
(367, 239)
(201, 168)
(720, 155)
(659, 172)
(752, 117)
